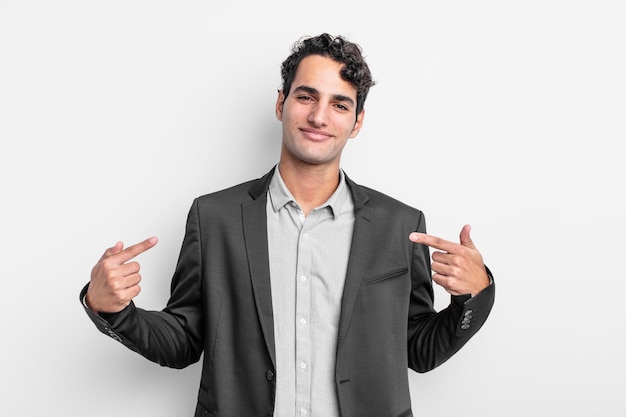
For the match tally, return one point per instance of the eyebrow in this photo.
(315, 92)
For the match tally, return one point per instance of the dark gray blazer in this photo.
(221, 306)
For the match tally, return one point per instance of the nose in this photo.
(318, 116)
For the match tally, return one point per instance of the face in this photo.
(318, 115)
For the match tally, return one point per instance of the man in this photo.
(307, 293)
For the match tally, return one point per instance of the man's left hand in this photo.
(457, 267)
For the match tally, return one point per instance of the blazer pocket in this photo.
(387, 275)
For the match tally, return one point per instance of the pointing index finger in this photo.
(136, 249)
(433, 241)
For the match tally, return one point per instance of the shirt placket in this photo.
(303, 317)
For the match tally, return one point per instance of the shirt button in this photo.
(302, 278)
(269, 375)
(306, 235)
(302, 365)
(303, 411)
(302, 321)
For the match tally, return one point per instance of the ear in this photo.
(280, 102)
(358, 124)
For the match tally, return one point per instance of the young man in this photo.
(307, 293)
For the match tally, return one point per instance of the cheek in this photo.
(290, 115)
(350, 129)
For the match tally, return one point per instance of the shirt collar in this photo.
(280, 196)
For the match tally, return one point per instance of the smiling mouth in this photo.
(315, 135)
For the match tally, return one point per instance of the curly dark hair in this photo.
(355, 69)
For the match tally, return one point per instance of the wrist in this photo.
(86, 302)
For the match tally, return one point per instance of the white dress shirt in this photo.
(308, 258)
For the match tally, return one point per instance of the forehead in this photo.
(323, 74)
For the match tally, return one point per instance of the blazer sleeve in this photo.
(434, 337)
(171, 337)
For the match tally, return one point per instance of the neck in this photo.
(310, 185)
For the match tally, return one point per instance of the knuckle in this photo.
(110, 277)
(107, 264)
(115, 286)
(121, 302)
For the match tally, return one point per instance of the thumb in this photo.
(117, 248)
(465, 238)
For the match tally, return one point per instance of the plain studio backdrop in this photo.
(509, 116)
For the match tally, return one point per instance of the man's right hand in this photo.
(114, 280)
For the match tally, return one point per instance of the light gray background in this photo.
(506, 115)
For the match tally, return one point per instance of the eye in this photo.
(341, 107)
(304, 97)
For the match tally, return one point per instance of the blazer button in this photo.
(269, 375)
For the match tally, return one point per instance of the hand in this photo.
(458, 268)
(114, 282)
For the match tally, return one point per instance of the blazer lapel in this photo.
(359, 252)
(255, 236)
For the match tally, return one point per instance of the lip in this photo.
(315, 135)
